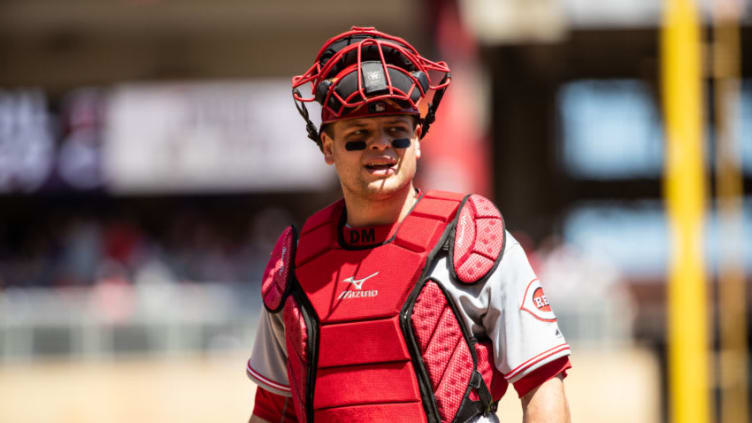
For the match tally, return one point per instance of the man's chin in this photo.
(386, 188)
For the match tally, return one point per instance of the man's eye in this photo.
(356, 134)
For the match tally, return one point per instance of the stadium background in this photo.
(150, 155)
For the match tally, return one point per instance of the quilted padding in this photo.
(445, 353)
(275, 277)
(296, 339)
(454, 382)
(478, 240)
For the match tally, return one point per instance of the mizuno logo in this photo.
(358, 283)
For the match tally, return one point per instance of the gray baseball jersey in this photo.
(510, 308)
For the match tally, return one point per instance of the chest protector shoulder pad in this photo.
(477, 240)
(275, 283)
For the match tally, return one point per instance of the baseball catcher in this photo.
(396, 304)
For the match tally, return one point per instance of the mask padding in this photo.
(345, 87)
(400, 80)
(422, 79)
(322, 90)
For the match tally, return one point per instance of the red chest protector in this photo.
(369, 336)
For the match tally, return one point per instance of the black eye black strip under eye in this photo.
(355, 145)
(401, 143)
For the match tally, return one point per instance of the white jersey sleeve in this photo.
(511, 310)
(268, 363)
(520, 321)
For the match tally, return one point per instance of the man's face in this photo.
(381, 169)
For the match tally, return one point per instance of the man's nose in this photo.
(381, 142)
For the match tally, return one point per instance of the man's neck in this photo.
(379, 211)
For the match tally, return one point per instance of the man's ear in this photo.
(327, 147)
(418, 131)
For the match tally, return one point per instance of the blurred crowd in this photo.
(187, 245)
(146, 258)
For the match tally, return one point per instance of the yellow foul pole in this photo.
(731, 290)
(685, 202)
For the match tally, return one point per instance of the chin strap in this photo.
(313, 133)
(431, 114)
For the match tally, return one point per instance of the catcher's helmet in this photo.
(365, 72)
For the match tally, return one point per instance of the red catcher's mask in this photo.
(363, 73)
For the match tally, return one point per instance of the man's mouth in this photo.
(380, 166)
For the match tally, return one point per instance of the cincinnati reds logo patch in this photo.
(540, 300)
(536, 303)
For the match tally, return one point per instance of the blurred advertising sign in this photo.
(544, 21)
(27, 145)
(514, 21)
(209, 137)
